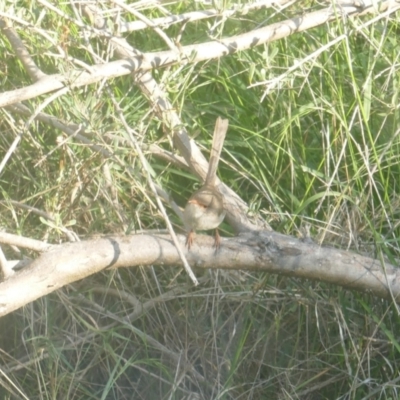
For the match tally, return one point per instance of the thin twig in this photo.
(30, 120)
(153, 189)
(149, 23)
(199, 15)
(21, 51)
(24, 242)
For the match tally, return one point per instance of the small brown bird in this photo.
(205, 208)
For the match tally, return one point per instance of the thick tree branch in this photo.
(260, 251)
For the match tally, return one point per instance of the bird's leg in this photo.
(217, 241)
(189, 239)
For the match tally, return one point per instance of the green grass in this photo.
(320, 152)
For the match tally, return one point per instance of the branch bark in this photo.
(257, 251)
